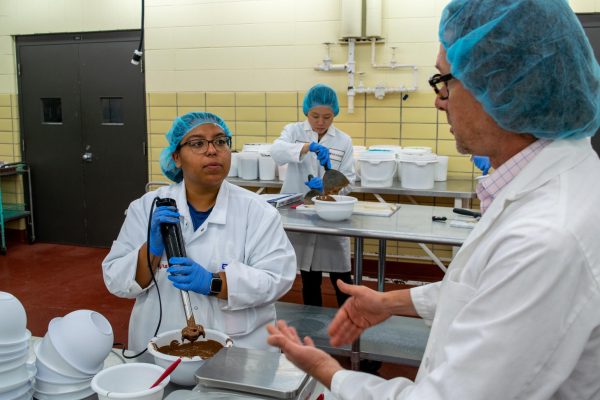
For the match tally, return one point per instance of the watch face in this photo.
(216, 284)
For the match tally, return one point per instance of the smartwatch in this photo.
(216, 284)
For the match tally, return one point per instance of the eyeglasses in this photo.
(200, 146)
(442, 91)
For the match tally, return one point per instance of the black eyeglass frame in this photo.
(439, 78)
(208, 143)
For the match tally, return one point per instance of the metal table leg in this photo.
(358, 252)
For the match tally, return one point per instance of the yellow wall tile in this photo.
(444, 132)
(163, 113)
(250, 114)
(6, 137)
(418, 142)
(390, 100)
(158, 141)
(250, 99)
(460, 164)
(5, 112)
(283, 99)
(155, 153)
(251, 128)
(227, 113)
(159, 127)
(460, 175)
(419, 131)
(271, 139)
(355, 130)
(187, 109)
(240, 141)
(6, 125)
(220, 99)
(378, 141)
(191, 99)
(275, 128)
(383, 115)
(447, 148)
(6, 150)
(5, 100)
(383, 130)
(357, 116)
(16, 124)
(282, 114)
(421, 115)
(419, 99)
(359, 99)
(162, 99)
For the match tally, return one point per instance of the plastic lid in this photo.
(416, 150)
(394, 148)
(418, 157)
(382, 155)
(255, 147)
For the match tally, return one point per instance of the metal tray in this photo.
(252, 371)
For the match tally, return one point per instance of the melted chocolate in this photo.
(201, 348)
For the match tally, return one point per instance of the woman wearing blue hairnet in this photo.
(516, 316)
(308, 148)
(239, 260)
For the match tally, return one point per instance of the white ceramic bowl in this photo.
(50, 373)
(130, 381)
(184, 374)
(12, 363)
(83, 338)
(337, 210)
(7, 355)
(47, 351)
(19, 392)
(13, 319)
(6, 348)
(16, 378)
(76, 395)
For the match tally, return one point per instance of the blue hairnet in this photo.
(528, 62)
(182, 126)
(320, 95)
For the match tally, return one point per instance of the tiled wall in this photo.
(260, 117)
(10, 151)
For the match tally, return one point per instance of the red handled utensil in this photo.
(167, 372)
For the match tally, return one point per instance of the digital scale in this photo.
(248, 374)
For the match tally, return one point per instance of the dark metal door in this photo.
(89, 162)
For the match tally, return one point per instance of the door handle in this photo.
(87, 157)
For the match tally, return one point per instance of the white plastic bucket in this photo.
(233, 170)
(377, 168)
(355, 153)
(418, 170)
(248, 165)
(441, 169)
(255, 147)
(266, 167)
(282, 171)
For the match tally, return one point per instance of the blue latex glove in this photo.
(315, 183)
(482, 162)
(322, 153)
(189, 275)
(161, 215)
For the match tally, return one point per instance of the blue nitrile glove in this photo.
(315, 183)
(482, 162)
(161, 215)
(322, 153)
(189, 275)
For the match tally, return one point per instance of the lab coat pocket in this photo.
(239, 322)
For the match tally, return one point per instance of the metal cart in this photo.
(14, 210)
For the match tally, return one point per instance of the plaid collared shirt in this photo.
(489, 187)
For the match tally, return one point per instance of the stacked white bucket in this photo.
(16, 374)
(417, 167)
(70, 354)
(255, 162)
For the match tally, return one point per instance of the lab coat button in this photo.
(196, 307)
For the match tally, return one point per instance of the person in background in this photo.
(239, 260)
(309, 147)
(516, 316)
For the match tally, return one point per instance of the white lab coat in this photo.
(242, 236)
(315, 252)
(517, 314)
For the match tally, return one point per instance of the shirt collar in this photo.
(330, 132)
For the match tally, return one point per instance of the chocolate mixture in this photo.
(192, 331)
(325, 198)
(201, 348)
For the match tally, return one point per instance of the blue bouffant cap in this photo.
(320, 95)
(528, 62)
(182, 126)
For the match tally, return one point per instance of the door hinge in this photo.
(18, 69)
(22, 146)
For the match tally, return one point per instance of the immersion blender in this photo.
(174, 246)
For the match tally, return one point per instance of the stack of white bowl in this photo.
(16, 376)
(70, 354)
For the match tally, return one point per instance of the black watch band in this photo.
(216, 284)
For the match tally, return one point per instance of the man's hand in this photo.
(303, 354)
(361, 311)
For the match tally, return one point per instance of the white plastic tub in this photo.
(377, 168)
(248, 165)
(417, 170)
(266, 165)
(130, 381)
(233, 170)
(441, 169)
(355, 153)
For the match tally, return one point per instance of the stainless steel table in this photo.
(411, 223)
(462, 191)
